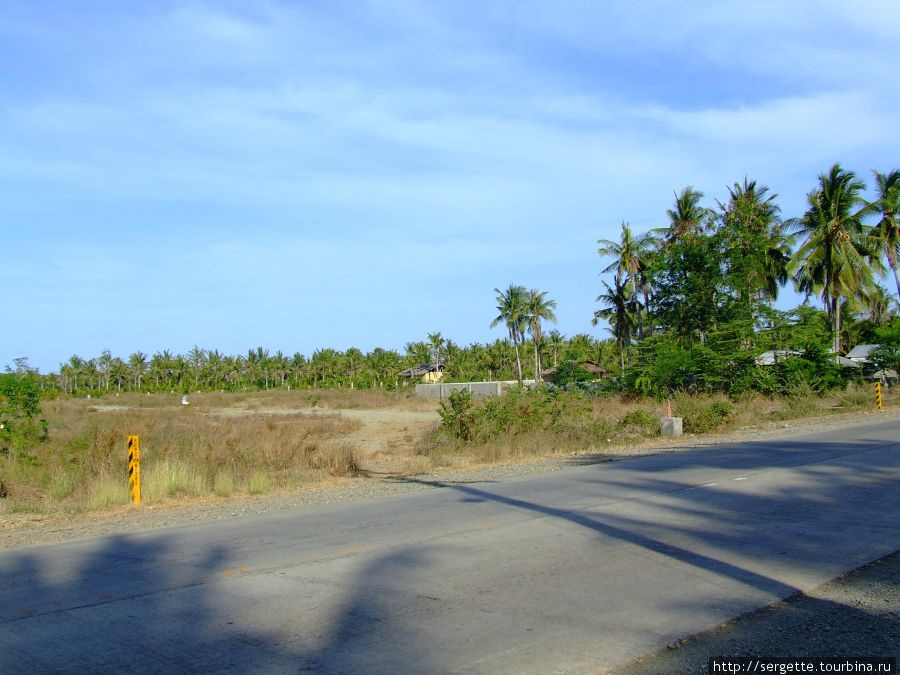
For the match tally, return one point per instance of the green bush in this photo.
(457, 416)
(21, 424)
(639, 418)
(571, 372)
(643, 420)
(517, 411)
(702, 417)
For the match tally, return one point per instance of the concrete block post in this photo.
(670, 426)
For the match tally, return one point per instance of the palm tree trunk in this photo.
(836, 343)
(892, 260)
(636, 305)
(518, 363)
(537, 367)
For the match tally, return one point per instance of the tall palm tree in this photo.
(887, 206)
(876, 306)
(616, 311)
(417, 353)
(197, 358)
(384, 363)
(138, 364)
(354, 361)
(214, 363)
(512, 308)
(629, 256)
(688, 217)
(497, 357)
(436, 344)
(555, 343)
(538, 308)
(758, 248)
(838, 256)
(104, 363)
(69, 372)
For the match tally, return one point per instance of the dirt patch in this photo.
(385, 441)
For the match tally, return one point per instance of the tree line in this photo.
(688, 305)
(259, 369)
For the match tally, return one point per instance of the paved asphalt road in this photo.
(570, 572)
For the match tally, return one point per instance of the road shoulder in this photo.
(855, 615)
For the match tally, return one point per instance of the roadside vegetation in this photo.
(689, 305)
(529, 424)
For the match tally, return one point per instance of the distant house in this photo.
(770, 358)
(773, 356)
(429, 372)
(861, 353)
(591, 367)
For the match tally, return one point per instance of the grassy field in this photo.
(225, 445)
(219, 444)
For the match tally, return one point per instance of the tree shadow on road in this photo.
(151, 603)
(125, 604)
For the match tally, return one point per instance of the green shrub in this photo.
(702, 417)
(457, 417)
(517, 411)
(21, 424)
(641, 422)
(640, 418)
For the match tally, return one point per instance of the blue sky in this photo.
(300, 175)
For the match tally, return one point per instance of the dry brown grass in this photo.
(325, 399)
(185, 451)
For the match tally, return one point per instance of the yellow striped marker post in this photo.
(134, 468)
(878, 399)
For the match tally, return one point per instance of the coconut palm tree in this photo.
(876, 306)
(513, 313)
(196, 358)
(214, 366)
(137, 362)
(688, 217)
(556, 341)
(69, 371)
(629, 256)
(838, 256)
(756, 244)
(436, 345)
(537, 308)
(417, 353)
(887, 206)
(616, 311)
(498, 358)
